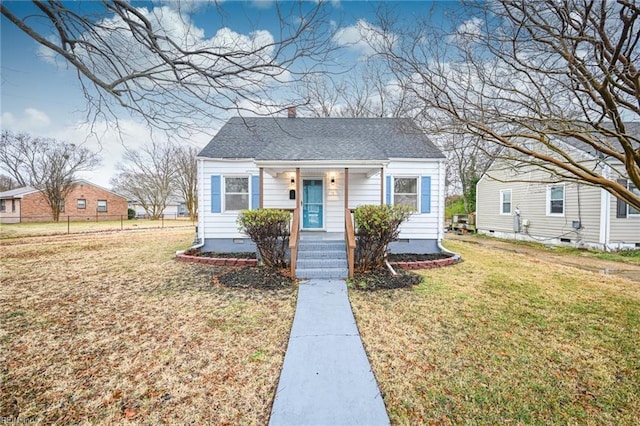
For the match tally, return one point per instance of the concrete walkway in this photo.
(326, 378)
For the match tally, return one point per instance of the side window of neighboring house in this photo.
(555, 200)
(633, 211)
(3, 205)
(623, 209)
(13, 205)
(505, 201)
(102, 205)
(236, 193)
(82, 204)
(61, 205)
(405, 192)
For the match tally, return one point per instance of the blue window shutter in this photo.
(388, 190)
(425, 196)
(255, 192)
(216, 194)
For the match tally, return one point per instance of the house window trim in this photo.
(224, 192)
(106, 206)
(502, 212)
(564, 200)
(630, 187)
(417, 193)
(84, 206)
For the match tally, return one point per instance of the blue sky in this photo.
(42, 96)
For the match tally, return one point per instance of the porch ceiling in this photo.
(285, 171)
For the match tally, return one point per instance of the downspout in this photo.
(455, 256)
(605, 213)
(200, 232)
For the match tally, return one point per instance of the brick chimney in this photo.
(291, 111)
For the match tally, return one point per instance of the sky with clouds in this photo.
(41, 95)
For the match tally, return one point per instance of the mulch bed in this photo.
(414, 257)
(260, 277)
(384, 280)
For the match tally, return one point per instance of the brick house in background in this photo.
(86, 201)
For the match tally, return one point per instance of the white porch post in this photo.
(346, 188)
(382, 186)
(261, 193)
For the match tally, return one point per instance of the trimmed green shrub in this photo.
(269, 229)
(131, 213)
(376, 226)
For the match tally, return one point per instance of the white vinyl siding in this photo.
(365, 187)
(421, 225)
(581, 203)
(222, 224)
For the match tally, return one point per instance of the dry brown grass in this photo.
(506, 338)
(109, 327)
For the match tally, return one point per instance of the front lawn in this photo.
(505, 338)
(109, 327)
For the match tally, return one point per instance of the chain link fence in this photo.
(35, 225)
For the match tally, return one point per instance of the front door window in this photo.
(312, 204)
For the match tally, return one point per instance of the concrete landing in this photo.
(326, 378)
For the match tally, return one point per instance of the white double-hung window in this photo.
(505, 201)
(236, 193)
(555, 200)
(405, 192)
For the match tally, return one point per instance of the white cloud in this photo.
(45, 54)
(30, 119)
(262, 4)
(363, 38)
(102, 137)
(469, 31)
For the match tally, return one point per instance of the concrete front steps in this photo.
(322, 259)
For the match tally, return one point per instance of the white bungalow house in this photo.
(519, 201)
(322, 168)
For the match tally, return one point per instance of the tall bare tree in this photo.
(186, 178)
(368, 90)
(7, 183)
(551, 83)
(46, 164)
(156, 63)
(147, 177)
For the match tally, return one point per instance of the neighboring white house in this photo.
(175, 208)
(513, 201)
(324, 166)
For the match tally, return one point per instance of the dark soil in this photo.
(414, 257)
(258, 277)
(384, 280)
(215, 254)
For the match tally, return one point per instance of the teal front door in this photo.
(312, 204)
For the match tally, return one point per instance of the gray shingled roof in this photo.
(17, 192)
(272, 139)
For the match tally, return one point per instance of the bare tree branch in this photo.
(157, 64)
(554, 84)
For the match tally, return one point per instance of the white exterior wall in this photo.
(362, 190)
(422, 225)
(218, 225)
